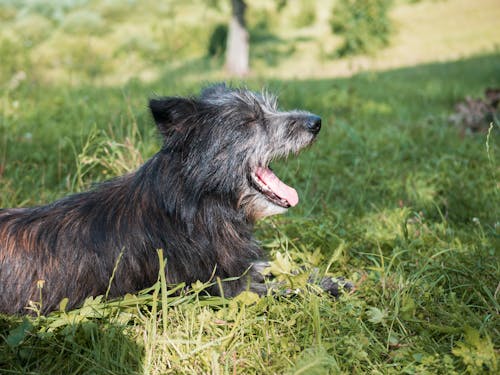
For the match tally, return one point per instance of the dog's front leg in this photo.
(260, 281)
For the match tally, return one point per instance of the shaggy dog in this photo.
(197, 199)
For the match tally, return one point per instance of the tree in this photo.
(237, 50)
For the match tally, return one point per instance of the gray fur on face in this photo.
(242, 131)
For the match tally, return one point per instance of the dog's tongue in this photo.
(277, 186)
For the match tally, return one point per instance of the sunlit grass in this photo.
(392, 195)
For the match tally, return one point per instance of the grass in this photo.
(392, 197)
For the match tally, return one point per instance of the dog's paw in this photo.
(332, 285)
(260, 288)
(257, 271)
(335, 285)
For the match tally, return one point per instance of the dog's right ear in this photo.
(168, 112)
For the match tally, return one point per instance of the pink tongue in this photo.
(277, 186)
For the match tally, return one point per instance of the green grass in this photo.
(392, 196)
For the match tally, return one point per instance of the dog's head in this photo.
(224, 141)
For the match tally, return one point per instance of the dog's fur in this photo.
(197, 199)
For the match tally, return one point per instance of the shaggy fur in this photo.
(197, 199)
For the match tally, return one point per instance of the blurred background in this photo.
(110, 42)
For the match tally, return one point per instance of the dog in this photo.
(197, 199)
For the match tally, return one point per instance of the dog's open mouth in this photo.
(275, 190)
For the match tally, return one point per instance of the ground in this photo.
(393, 195)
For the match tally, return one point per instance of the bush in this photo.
(218, 41)
(14, 58)
(306, 15)
(32, 28)
(364, 25)
(84, 22)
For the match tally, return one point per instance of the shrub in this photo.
(364, 25)
(84, 22)
(218, 40)
(306, 15)
(32, 28)
(14, 58)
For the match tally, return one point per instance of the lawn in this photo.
(393, 196)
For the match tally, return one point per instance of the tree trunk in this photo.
(237, 41)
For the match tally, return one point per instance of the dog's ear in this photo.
(168, 112)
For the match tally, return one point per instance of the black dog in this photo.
(196, 199)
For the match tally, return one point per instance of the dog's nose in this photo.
(313, 124)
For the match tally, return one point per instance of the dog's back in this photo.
(68, 249)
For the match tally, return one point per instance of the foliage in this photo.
(83, 21)
(55, 10)
(218, 41)
(364, 25)
(113, 41)
(478, 353)
(306, 15)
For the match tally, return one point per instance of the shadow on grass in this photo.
(91, 347)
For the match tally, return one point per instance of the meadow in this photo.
(394, 196)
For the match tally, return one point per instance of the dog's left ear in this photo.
(168, 112)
